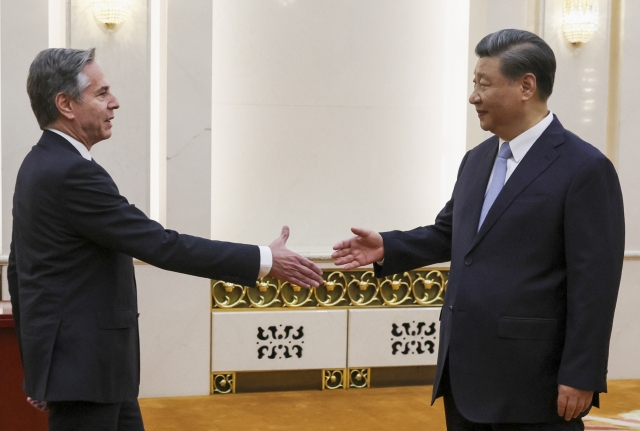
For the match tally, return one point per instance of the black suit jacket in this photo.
(531, 295)
(71, 274)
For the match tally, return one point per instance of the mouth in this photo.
(480, 113)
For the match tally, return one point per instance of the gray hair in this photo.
(54, 71)
(521, 52)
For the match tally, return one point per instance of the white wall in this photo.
(24, 34)
(123, 55)
(580, 91)
(328, 114)
(625, 349)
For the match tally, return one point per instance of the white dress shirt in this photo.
(266, 257)
(520, 145)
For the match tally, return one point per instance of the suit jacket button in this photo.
(468, 260)
(451, 308)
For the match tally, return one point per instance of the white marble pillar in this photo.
(175, 308)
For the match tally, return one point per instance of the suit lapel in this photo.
(476, 191)
(541, 155)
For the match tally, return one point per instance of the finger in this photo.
(308, 275)
(352, 265)
(360, 232)
(313, 267)
(344, 260)
(285, 233)
(341, 253)
(298, 282)
(579, 408)
(340, 245)
(571, 408)
(312, 280)
(562, 404)
(587, 402)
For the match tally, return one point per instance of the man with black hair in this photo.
(534, 231)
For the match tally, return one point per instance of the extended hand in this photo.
(572, 401)
(290, 266)
(40, 405)
(364, 248)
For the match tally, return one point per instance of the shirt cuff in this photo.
(266, 261)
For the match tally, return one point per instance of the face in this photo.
(93, 115)
(497, 100)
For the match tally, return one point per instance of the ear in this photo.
(63, 103)
(529, 85)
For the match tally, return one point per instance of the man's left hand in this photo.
(572, 401)
(40, 405)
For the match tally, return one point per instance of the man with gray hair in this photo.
(534, 231)
(71, 275)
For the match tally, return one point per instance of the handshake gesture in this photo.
(363, 249)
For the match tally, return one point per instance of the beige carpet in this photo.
(403, 408)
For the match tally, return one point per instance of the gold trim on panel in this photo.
(359, 378)
(223, 383)
(334, 379)
(341, 289)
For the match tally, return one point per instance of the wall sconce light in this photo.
(579, 20)
(111, 12)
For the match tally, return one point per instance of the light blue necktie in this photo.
(497, 181)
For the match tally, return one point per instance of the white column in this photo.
(57, 23)
(455, 38)
(158, 109)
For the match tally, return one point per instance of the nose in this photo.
(474, 98)
(114, 104)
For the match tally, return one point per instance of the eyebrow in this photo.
(103, 88)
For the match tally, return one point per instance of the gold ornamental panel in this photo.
(359, 378)
(351, 289)
(223, 383)
(334, 379)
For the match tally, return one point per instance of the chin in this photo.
(485, 126)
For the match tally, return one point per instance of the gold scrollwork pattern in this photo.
(295, 296)
(352, 289)
(429, 287)
(332, 292)
(333, 379)
(359, 378)
(223, 383)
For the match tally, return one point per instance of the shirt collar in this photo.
(521, 144)
(77, 144)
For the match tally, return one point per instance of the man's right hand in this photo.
(363, 249)
(290, 266)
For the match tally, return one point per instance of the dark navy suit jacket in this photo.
(71, 274)
(531, 295)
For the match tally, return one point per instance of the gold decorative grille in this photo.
(352, 289)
